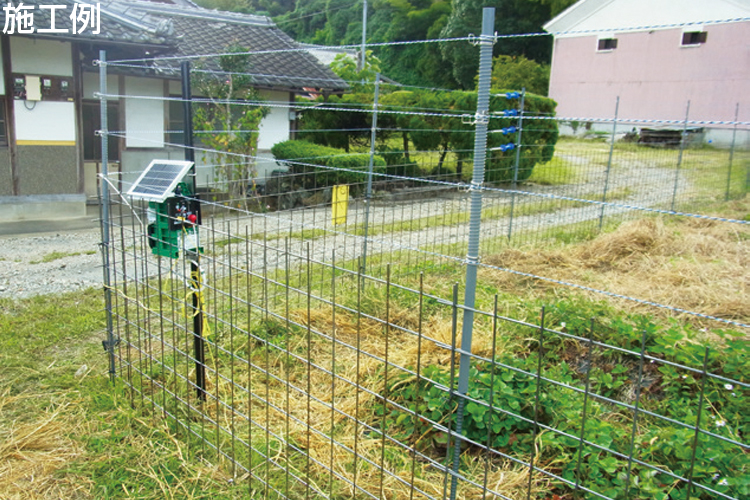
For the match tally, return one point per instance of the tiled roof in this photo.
(181, 28)
(143, 29)
(276, 60)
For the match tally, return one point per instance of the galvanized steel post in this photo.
(104, 201)
(609, 163)
(683, 138)
(370, 168)
(486, 41)
(731, 152)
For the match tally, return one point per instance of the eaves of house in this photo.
(277, 61)
(588, 17)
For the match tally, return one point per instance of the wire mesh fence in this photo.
(322, 381)
(322, 343)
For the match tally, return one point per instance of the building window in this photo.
(3, 129)
(607, 44)
(176, 122)
(694, 37)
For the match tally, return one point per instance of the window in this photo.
(694, 37)
(176, 122)
(607, 44)
(3, 131)
(92, 143)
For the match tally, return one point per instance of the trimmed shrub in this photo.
(341, 167)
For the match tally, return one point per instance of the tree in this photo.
(437, 131)
(518, 72)
(231, 119)
(511, 17)
(340, 129)
(406, 20)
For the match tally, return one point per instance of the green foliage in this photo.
(518, 72)
(437, 132)
(338, 128)
(511, 16)
(448, 133)
(401, 20)
(348, 69)
(448, 65)
(342, 168)
(236, 143)
(501, 405)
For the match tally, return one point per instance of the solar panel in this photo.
(158, 181)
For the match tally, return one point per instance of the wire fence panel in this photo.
(310, 332)
(321, 381)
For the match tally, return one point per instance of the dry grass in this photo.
(31, 453)
(696, 264)
(693, 264)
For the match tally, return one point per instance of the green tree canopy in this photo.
(518, 72)
(511, 17)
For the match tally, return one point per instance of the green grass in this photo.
(555, 172)
(110, 450)
(53, 256)
(115, 451)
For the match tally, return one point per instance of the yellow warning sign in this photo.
(339, 204)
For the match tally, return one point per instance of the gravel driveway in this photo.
(58, 262)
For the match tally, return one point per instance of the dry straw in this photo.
(693, 264)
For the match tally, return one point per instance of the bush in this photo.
(303, 157)
(539, 136)
(397, 164)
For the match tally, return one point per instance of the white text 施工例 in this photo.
(19, 19)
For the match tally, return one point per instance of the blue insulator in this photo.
(509, 130)
(510, 112)
(507, 147)
(512, 95)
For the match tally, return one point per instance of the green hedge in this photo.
(342, 167)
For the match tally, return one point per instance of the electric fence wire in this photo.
(457, 185)
(470, 38)
(274, 253)
(461, 114)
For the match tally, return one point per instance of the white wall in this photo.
(144, 118)
(44, 121)
(40, 57)
(91, 85)
(275, 127)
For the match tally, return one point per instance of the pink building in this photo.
(656, 55)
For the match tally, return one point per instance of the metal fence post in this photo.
(104, 201)
(679, 158)
(517, 162)
(731, 151)
(199, 343)
(609, 163)
(486, 41)
(370, 168)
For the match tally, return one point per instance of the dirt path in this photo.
(59, 262)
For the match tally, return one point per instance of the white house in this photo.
(49, 154)
(656, 55)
